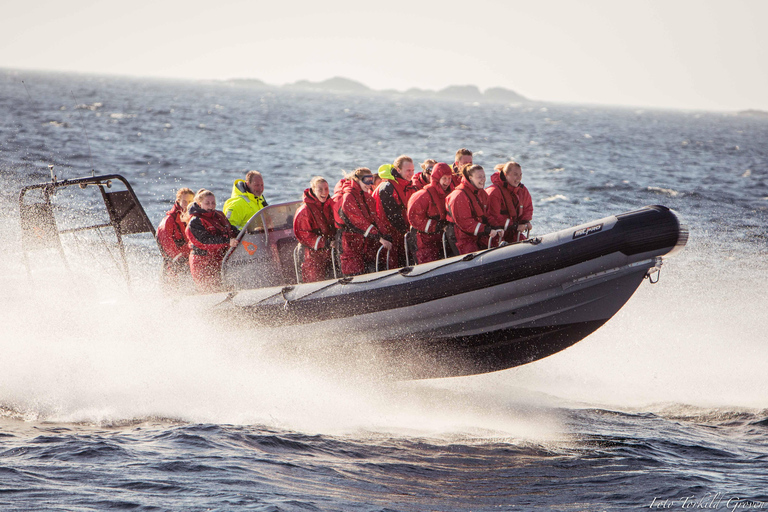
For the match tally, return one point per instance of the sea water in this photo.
(117, 398)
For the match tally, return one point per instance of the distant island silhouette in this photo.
(347, 86)
(753, 113)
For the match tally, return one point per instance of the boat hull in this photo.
(480, 313)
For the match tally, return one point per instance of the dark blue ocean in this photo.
(126, 399)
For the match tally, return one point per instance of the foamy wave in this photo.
(92, 106)
(556, 197)
(665, 191)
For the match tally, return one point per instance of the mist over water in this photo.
(112, 356)
(109, 355)
(89, 365)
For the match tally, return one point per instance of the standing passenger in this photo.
(503, 203)
(426, 213)
(173, 239)
(525, 208)
(392, 204)
(314, 228)
(421, 179)
(467, 209)
(210, 235)
(247, 199)
(360, 233)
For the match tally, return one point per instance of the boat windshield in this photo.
(277, 217)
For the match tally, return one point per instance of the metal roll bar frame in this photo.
(133, 220)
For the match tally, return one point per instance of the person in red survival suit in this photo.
(210, 235)
(360, 232)
(174, 245)
(525, 209)
(467, 209)
(462, 158)
(314, 228)
(338, 194)
(503, 203)
(421, 179)
(391, 198)
(426, 213)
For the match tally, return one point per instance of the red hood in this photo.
(351, 186)
(339, 188)
(418, 180)
(175, 209)
(497, 179)
(310, 198)
(439, 170)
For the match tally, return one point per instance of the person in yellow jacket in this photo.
(247, 199)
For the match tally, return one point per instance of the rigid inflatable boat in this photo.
(477, 313)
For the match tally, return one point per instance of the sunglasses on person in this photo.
(367, 179)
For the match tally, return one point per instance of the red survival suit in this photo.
(426, 213)
(391, 197)
(419, 181)
(360, 234)
(335, 199)
(467, 209)
(504, 207)
(171, 235)
(208, 232)
(314, 228)
(525, 210)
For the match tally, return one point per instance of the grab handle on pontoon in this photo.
(296, 253)
(333, 261)
(405, 244)
(490, 238)
(378, 253)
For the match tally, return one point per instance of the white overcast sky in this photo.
(704, 54)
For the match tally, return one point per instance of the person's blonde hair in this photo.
(399, 161)
(317, 180)
(359, 173)
(427, 163)
(202, 194)
(182, 192)
(499, 167)
(507, 166)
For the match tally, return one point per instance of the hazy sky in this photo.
(685, 54)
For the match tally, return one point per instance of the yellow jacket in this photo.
(242, 205)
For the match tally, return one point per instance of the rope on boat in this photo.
(405, 272)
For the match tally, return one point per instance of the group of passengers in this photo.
(366, 212)
(194, 236)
